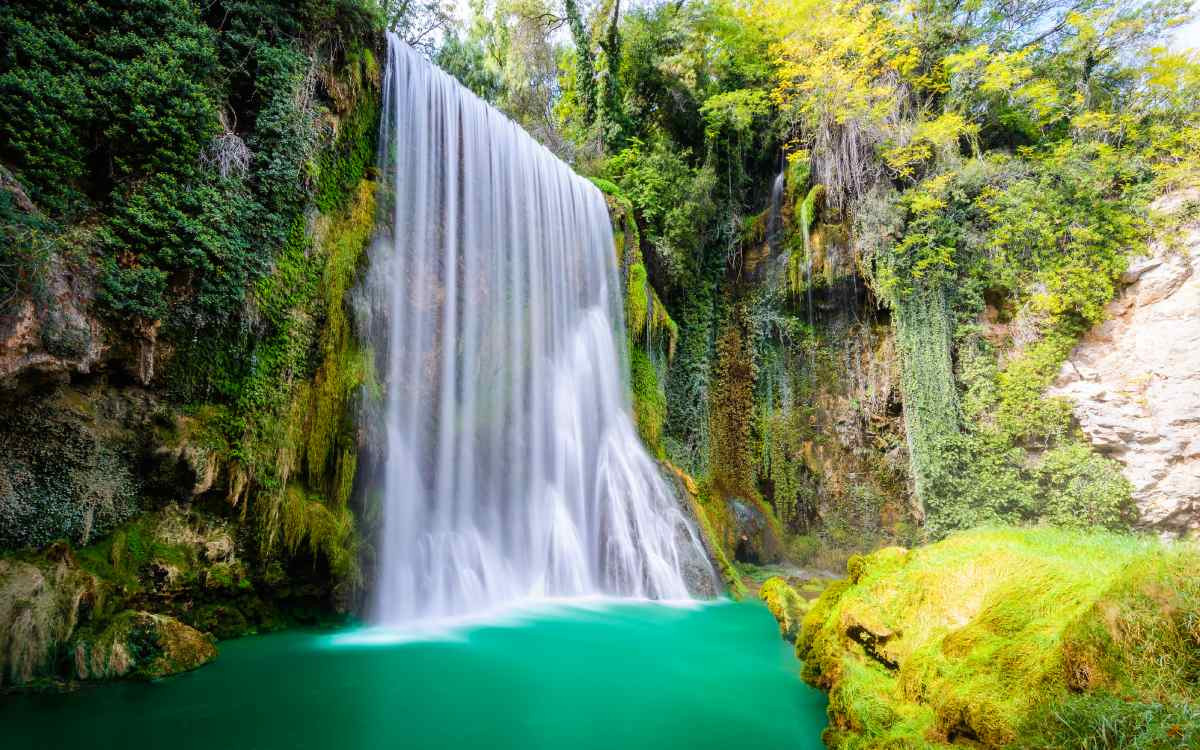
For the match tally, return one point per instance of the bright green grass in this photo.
(1013, 636)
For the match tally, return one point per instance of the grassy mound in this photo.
(1029, 638)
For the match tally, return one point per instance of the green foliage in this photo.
(931, 413)
(734, 112)
(135, 291)
(670, 198)
(689, 383)
(784, 437)
(341, 167)
(465, 58)
(169, 98)
(28, 242)
(1049, 232)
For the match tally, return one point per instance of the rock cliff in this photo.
(1134, 380)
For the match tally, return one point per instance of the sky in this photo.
(1188, 36)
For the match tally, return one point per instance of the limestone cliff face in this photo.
(1135, 379)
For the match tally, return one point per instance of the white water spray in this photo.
(513, 470)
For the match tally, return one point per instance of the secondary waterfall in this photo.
(513, 469)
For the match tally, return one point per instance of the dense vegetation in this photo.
(179, 166)
(955, 163)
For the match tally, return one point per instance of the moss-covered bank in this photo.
(1030, 638)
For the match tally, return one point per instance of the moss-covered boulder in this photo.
(787, 606)
(1036, 638)
(141, 645)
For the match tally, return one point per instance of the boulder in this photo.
(141, 645)
(786, 605)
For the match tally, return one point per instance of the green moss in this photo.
(300, 428)
(652, 334)
(787, 606)
(649, 400)
(713, 519)
(1082, 722)
(341, 167)
(731, 419)
(785, 435)
(974, 636)
(626, 234)
(141, 645)
(122, 557)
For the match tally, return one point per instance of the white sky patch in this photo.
(1188, 36)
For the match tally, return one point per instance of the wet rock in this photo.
(699, 568)
(189, 460)
(873, 639)
(1134, 379)
(755, 541)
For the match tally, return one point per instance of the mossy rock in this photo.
(222, 620)
(786, 605)
(984, 636)
(755, 533)
(700, 508)
(141, 645)
(41, 602)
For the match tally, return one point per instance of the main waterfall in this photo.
(512, 469)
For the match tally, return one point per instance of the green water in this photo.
(620, 676)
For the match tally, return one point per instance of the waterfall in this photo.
(513, 469)
(774, 215)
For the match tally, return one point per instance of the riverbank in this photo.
(1033, 638)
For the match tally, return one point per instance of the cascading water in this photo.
(513, 469)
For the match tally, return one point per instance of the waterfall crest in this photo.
(512, 467)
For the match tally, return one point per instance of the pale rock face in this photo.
(55, 334)
(1135, 379)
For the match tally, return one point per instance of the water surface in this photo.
(608, 676)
